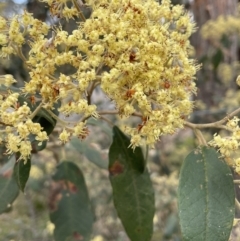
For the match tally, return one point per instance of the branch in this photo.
(36, 111)
(62, 122)
(200, 137)
(107, 120)
(113, 112)
(237, 205)
(79, 11)
(217, 124)
(236, 181)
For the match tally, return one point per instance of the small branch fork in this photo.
(218, 124)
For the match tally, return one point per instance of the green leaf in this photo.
(133, 194)
(206, 197)
(133, 159)
(36, 147)
(8, 192)
(70, 205)
(21, 173)
(91, 153)
(45, 120)
(45, 115)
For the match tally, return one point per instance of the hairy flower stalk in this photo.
(135, 50)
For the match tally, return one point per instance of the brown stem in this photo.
(200, 137)
(79, 11)
(217, 124)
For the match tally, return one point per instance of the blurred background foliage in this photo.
(215, 45)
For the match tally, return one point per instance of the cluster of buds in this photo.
(17, 122)
(228, 145)
(136, 51)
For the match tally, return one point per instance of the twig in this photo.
(147, 152)
(89, 93)
(113, 112)
(36, 111)
(200, 137)
(79, 11)
(237, 205)
(217, 124)
(107, 120)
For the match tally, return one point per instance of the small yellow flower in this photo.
(64, 136)
(25, 150)
(135, 141)
(13, 143)
(41, 136)
(23, 130)
(80, 130)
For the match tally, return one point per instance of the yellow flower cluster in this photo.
(228, 145)
(145, 47)
(63, 8)
(15, 119)
(14, 32)
(223, 25)
(18, 125)
(135, 50)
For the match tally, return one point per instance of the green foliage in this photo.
(8, 192)
(45, 120)
(21, 173)
(146, 71)
(206, 197)
(70, 208)
(132, 188)
(134, 159)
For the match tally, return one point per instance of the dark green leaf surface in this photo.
(45, 120)
(70, 207)
(206, 197)
(132, 188)
(8, 192)
(133, 159)
(92, 154)
(36, 146)
(21, 173)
